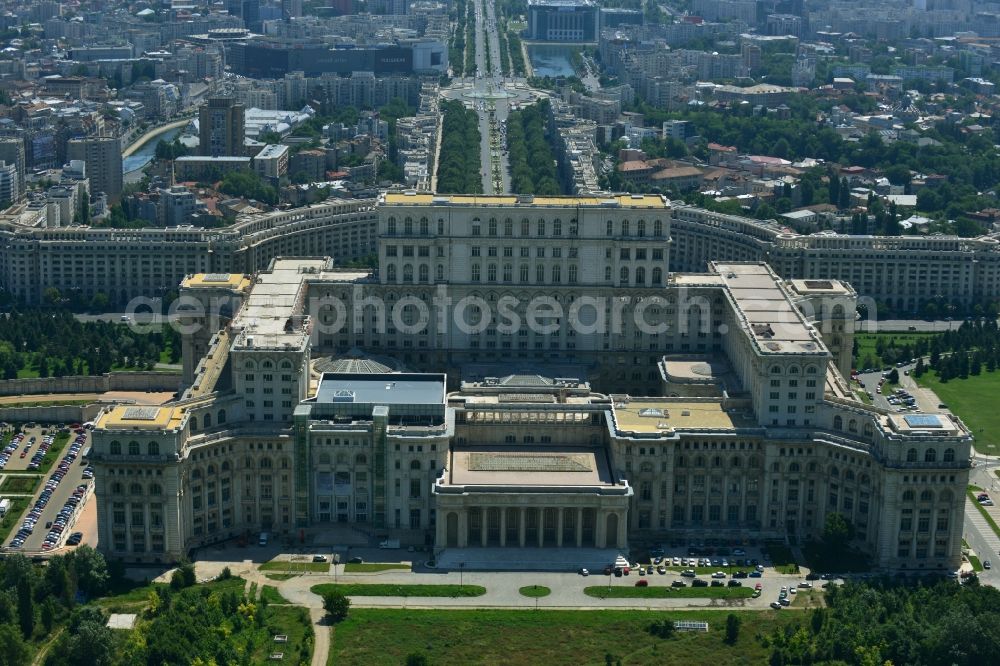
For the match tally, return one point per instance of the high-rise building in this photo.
(221, 127)
(9, 192)
(103, 157)
(12, 152)
(291, 8)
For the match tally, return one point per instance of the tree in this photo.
(844, 194)
(893, 377)
(25, 607)
(732, 629)
(336, 605)
(91, 571)
(417, 659)
(834, 189)
(49, 610)
(13, 650)
(837, 532)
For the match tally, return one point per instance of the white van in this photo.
(262, 541)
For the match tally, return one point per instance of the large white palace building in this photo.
(525, 372)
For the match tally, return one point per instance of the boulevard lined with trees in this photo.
(532, 162)
(459, 168)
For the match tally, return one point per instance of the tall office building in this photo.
(9, 192)
(103, 157)
(220, 124)
(12, 152)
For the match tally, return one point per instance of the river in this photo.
(144, 155)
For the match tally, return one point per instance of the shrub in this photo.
(336, 605)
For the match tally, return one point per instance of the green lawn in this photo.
(281, 576)
(385, 637)
(977, 565)
(808, 598)
(394, 590)
(294, 567)
(13, 517)
(867, 341)
(20, 484)
(293, 622)
(632, 592)
(373, 567)
(535, 591)
(972, 400)
(270, 594)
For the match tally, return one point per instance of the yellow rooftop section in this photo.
(216, 281)
(663, 415)
(619, 200)
(135, 417)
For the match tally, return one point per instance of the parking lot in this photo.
(62, 491)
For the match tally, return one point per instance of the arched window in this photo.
(439, 273)
(133, 448)
(116, 488)
(658, 228)
(640, 276)
(341, 458)
(211, 470)
(390, 273)
(911, 455)
(116, 448)
(775, 369)
(949, 455)
(657, 277)
(324, 458)
(407, 273)
(930, 455)
(196, 474)
(834, 472)
(868, 431)
(541, 227)
(194, 423)
(849, 475)
(424, 227)
(945, 495)
(908, 496)
(440, 227)
(225, 466)
(249, 462)
(640, 228)
(838, 422)
(265, 463)
(493, 227)
(360, 459)
(699, 462)
(508, 227)
(810, 369)
(153, 448)
(735, 462)
(155, 489)
(207, 420)
(625, 230)
(414, 464)
(525, 227)
(681, 462)
(753, 462)
(927, 496)
(610, 228)
(222, 416)
(135, 489)
(391, 226)
(852, 425)
(557, 227)
(408, 226)
(508, 273)
(572, 274)
(425, 275)
(793, 467)
(623, 275)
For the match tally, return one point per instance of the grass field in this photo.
(632, 592)
(294, 567)
(20, 484)
(294, 623)
(972, 400)
(867, 342)
(535, 591)
(394, 590)
(271, 595)
(806, 598)
(554, 638)
(374, 567)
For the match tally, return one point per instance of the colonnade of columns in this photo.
(532, 526)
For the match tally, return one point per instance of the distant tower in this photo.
(220, 125)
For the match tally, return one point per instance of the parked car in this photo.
(719, 574)
(698, 582)
(319, 558)
(775, 605)
(735, 583)
(688, 573)
(678, 583)
(642, 582)
(584, 572)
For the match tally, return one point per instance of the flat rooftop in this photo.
(216, 281)
(140, 418)
(932, 424)
(529, 466)
(766, 312)
(395, 388)
(662, 415)
(616, 201)
(264, 320)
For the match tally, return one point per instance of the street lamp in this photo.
(461, 574)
